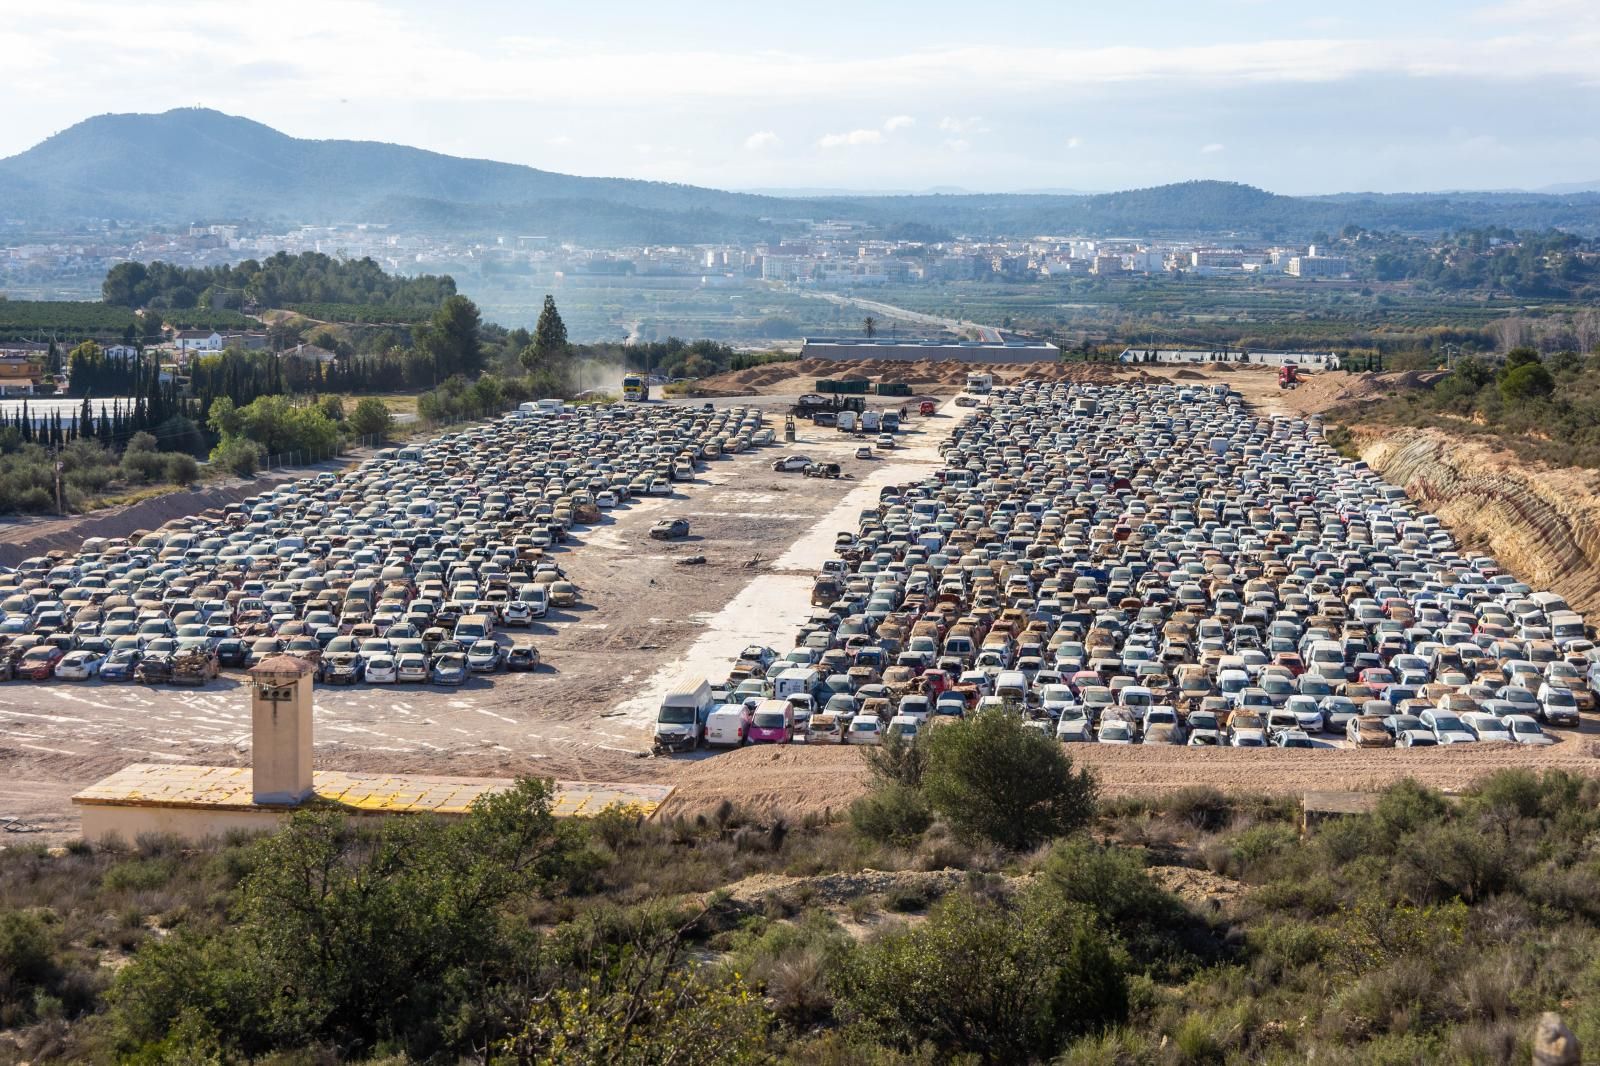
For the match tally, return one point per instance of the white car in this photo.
(1486, 726)
(1074, 731)
(1249, 738)
(790, 464)
(381, 670)
(1557, 705)
(1115, 731)
(1524, 730)
(864, 729)
(516, 613)
(411, 667)
(1306, 713)
(483, 657)
(78, 666)
(605, 500)
(1447, 727)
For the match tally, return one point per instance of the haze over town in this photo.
(1417, 96)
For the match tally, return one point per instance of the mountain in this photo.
(195, 164)
(1572, 187)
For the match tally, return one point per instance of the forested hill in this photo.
(200, 165)
(281, 280)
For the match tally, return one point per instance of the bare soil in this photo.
(644, 615)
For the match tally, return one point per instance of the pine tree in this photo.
(549, 337)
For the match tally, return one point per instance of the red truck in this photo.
(1288, 376)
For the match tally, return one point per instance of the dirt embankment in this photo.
(923, 375)
(1541, 523)
(22, 540)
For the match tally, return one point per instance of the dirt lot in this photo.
(645, 621)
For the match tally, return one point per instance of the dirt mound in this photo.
(843, 887)
(923, 375)
(1189, 375)
(1199, 888)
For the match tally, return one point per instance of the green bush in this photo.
(1528, 382)
(27, 950)
(1405, 806)
(898, 760)
(359, 938)
(181, 469)
(1007, 984)
(992, 778)
(237, 455)
(371, 418)
(891, 814)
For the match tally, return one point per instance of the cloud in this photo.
(958, 144)
(898, 122)
(762, 139)
(1211, 149)
(854, 137)
(560, 140)
(1074, 142)
(952, 124)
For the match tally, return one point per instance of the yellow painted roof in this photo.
(229, 788)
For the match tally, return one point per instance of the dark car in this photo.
(450, 669)
(154, 669)
(670, 529)
(120, 665)
(341, 668)
(523, 657)
(233, 652)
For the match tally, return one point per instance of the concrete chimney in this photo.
(280, 715)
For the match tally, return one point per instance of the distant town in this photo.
(823, 253)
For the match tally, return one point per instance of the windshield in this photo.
(769, 720)
(676, 715)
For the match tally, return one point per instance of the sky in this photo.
(1403, 95)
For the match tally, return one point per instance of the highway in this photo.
(955, 325)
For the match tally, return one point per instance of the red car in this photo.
(1377, 678)
(39, 663)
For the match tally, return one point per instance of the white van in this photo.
(727, 726)
(1012, 686)
(680, 721)
(1566, 627)
(796, 681)
(537, 597)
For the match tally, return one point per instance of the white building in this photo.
(197, 340)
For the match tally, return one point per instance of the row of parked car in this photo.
(1156, 564)
(403, 569)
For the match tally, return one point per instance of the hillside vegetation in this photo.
(1542, 408)
(280, 280)
(1200, 929)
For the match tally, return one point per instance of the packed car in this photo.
(410, 568)
(1156, 564)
